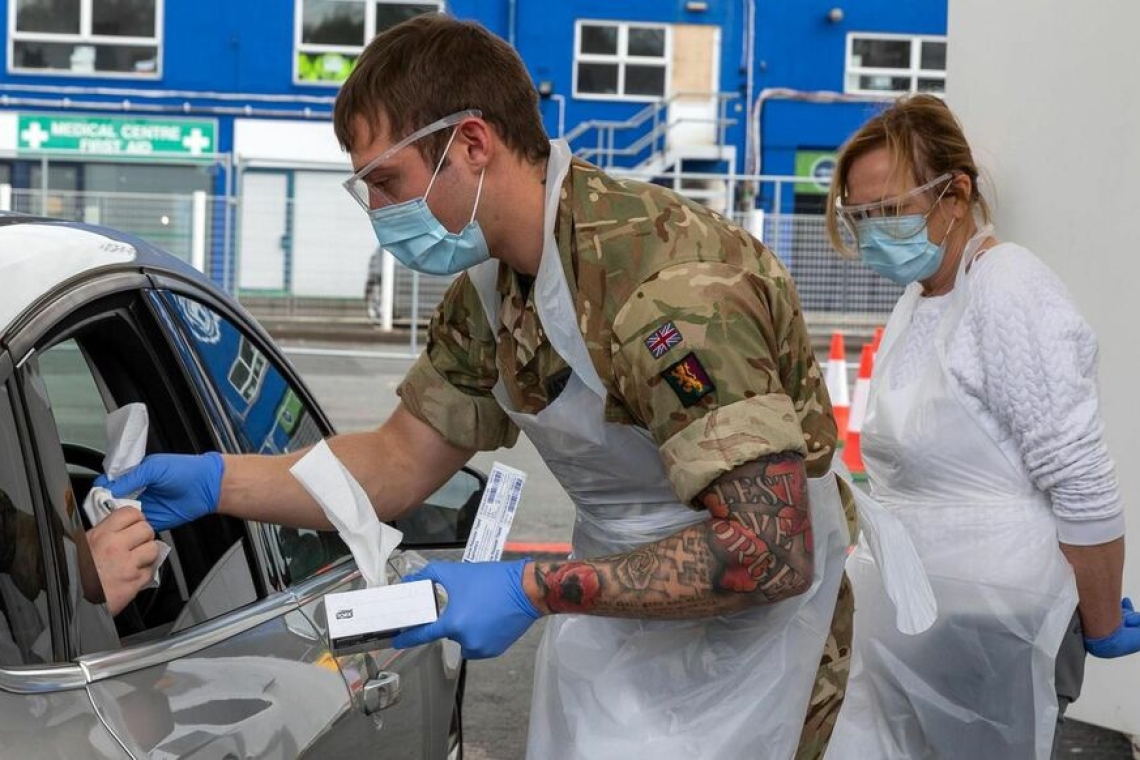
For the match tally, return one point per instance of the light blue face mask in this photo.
(413, 234)
(890, 247)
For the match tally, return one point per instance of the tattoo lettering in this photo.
(778, 484)
(761, 529)
(793, 522)
(745, 556)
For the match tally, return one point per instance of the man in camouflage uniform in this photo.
(692, 327)
(636, 256)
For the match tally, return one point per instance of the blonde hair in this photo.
(923, 138)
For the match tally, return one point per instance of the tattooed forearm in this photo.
(755, 548)
(761, 527)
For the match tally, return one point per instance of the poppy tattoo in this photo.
(571, 587)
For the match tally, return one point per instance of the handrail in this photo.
(644, 114)
(648, 138)
(636, 120)
(606, 129)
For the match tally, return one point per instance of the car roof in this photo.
(38, 255)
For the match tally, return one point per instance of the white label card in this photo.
(376, 611)
(496, 512)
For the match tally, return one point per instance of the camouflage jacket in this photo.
(693, 326)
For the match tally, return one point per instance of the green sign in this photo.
(289, 412)
(324, 68)
(123, 136)
(817, 164)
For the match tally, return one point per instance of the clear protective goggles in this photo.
(366, 189)
(904, 224)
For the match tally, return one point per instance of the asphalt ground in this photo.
(358, 393)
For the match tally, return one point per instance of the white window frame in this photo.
(86, 37)
(354, 51)
(622, 59)
(914, 72)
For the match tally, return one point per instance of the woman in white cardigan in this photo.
(983, 436)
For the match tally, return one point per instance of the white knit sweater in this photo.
(1026, 361)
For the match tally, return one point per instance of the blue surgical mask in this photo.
(902, 257)
(419, 241)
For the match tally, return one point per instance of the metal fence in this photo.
(165, 220)
(836, 293)
(309, 260)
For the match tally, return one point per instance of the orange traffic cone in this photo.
(877, 339)
(836, 378)
(852, 451)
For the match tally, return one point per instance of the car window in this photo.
(268, 414)
(82, 623)
(78, 406)
(25, 637)
(113, 356)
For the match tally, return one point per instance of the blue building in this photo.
(793, 79)
(205, 125)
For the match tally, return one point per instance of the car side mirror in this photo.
(444, 520)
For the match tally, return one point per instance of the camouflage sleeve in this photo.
(700, 350)
(449, 386)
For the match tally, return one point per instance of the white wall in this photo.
(8, 125)
(290, 142)
(1049, 93)
(332, 239)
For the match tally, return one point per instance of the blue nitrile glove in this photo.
(176, 488)
(487, 609)
(1124, 640)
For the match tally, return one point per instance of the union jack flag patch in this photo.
(662, 339)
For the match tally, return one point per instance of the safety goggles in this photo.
(366, 184)
(902, 224)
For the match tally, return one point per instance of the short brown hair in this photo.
(432, 66)
(923, 138)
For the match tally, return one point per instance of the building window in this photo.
(331, 34)
(893, 63)
(119, 38)
(621, 60)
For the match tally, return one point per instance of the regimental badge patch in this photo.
(689, 380)
(662, 339)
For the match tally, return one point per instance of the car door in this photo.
(44, 708)
(216, 662)
(402, 700)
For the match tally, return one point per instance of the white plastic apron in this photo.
(728, 687)
(979, 683)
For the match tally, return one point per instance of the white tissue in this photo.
(127, 429)
(349, 510)
(126, 435)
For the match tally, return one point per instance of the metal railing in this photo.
(305, 269)
(644, 135)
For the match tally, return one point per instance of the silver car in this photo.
(229, 656)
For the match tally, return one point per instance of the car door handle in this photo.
(381, 692)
